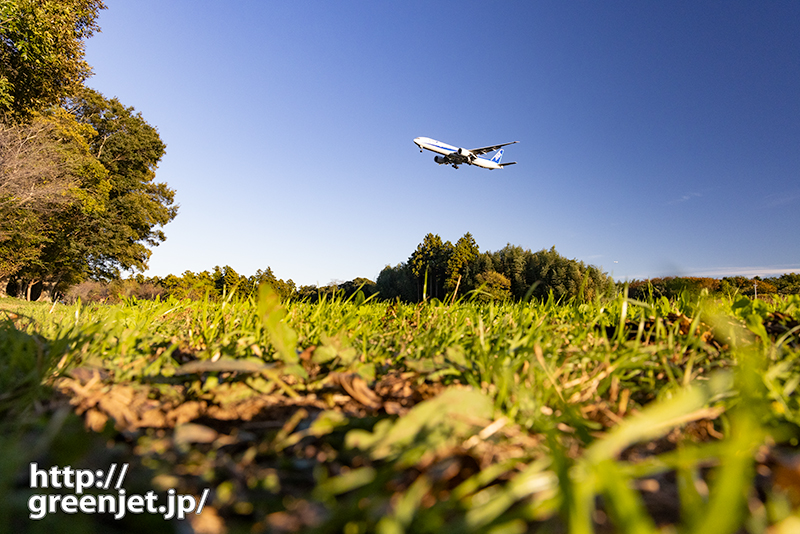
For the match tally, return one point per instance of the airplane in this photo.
(455, 156)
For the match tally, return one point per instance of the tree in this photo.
(77, 190)
(137, 206)
(493, 286)
(397, 282)
(511, 260)
(464, 252)
(482, 263)
(285, 289)
(787, 283)
(33, 168)
(308, 293)
(47, 174)
(547, 270)
(189, 285)
(552, 272)
(747, 286)
(42, 52)
(19, 248)
(114, 210)
(227, 280)
(364, 285)
(428, 263)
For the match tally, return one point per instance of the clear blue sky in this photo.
(655, 138)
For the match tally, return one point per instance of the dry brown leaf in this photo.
(786, 474)
(95, 420)
(355, 386)
(208, 522)
(194, 433)
(185, 412)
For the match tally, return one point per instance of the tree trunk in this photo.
(49, 293)
(29, 289)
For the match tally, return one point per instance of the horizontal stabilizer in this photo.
(509, 163)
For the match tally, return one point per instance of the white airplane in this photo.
(451, 155)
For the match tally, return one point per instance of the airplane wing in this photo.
(486, 149)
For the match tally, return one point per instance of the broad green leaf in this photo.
(272, 314)
(430, 425)
(652, 422)
(343, 483)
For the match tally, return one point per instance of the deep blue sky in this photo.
(656, 138)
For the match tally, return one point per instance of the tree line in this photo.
(78, 196)
(673, 287)
(443, 270)
(436, 269)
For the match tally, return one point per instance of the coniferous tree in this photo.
(428, 263)
(397, 282)
(458, 264)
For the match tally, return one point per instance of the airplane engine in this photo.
(466, 153)
(440, 160)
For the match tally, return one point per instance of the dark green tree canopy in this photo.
(397, 282)
(111, 209)
(77, 191)
(429, 265)
(137, 206)
(492, 286)
(512, 272)
(47, 172)
(42, 52)
(458, 264)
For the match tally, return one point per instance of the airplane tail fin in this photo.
(497, 157)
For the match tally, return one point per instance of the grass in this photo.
(353, 416)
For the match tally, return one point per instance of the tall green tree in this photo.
(565, 278)
(137, 207)
(50, 180)
(83, 200)
(458, 264)
(227, 280)
(397, 282)
(511, 260)
(285, 289)
(116, 210)
(492, 286)
(787, 283)
(189, 285)
(42, 52)
(428, 263)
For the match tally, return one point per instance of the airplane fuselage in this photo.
(455, 156)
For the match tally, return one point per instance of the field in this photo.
(358, 416)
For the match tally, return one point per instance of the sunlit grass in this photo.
(571, 412)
